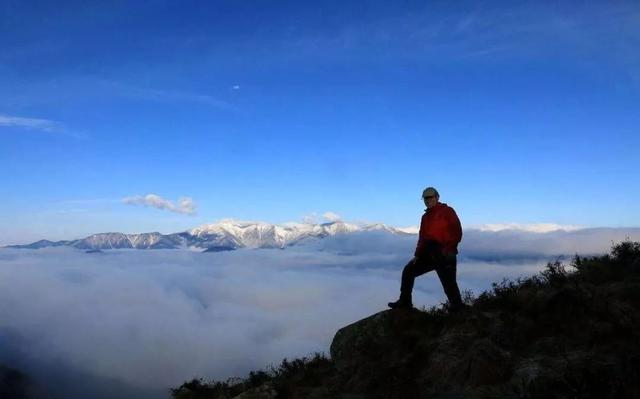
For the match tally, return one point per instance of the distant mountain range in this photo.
(222, 236)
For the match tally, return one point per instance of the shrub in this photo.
(505, 294)
(555, 274)
(198, 389)
(289, 369)
(304, 372)
(257, 378)
(626, 252)
(622, 263)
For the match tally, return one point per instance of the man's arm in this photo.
(456, 227)
(454, 231)
(421, 240)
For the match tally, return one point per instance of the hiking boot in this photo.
(400, 304)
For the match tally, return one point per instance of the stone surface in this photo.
(264, 391)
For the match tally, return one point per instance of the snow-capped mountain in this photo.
(266, 235)
(527, 227)
(227, 234)
(119, 240)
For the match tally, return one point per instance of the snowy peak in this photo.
(120, 240)
(267, 235)
(227, 234)
(527, 227)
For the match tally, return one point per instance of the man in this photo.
(440, 233)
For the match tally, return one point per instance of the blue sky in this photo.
(517, 112)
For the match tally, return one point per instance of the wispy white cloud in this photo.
(43, 125)
(165, 95)
(530, 29)
(29, 123)
(88, 201)
(311, 218)
(183, 205)
(331, 216)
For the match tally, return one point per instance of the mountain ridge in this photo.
(230, 234)
(213, 237)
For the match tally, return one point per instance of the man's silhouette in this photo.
(440, 233)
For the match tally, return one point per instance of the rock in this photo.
(411, 347)
(487, 363)
(385, 336)
(527, 371)
(463, 360)
(264, 391)
(384, 352)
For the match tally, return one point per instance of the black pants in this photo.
(444, 265)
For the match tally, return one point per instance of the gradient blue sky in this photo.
(265, 110)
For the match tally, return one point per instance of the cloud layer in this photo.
(151, 319)
(184, 205)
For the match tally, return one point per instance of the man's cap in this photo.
(430, 192)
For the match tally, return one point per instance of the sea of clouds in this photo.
(131, 323)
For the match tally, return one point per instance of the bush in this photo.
(300, 372)
(257, 378)
(198, 389)
(285, 377)
(506, 294)
(622, 263)
(554, 274)
(626, 252)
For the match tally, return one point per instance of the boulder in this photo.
(388, 337)
(264, 391)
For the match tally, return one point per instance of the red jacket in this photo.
(440, 224)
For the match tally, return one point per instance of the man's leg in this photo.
(409, 274)
(447, 275)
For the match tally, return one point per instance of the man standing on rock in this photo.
(440, 233)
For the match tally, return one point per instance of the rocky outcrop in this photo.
(264, 391)
(412, 349)
(556, 335)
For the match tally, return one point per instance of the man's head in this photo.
(430, 196)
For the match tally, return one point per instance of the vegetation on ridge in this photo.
(283, 379)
